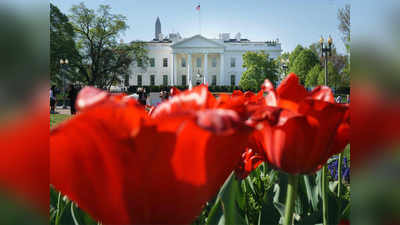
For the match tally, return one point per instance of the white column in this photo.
(189, 69)
(221, 71)
(205, 67)
(173, 79)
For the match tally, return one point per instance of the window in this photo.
(165, 62)
(233, 62)
(152, 62)
(214, 80)
(214, 62)
(152, 80)
(165, 80)
(140, 63)
(183, 62)
(232, 80)
(198, 62)
(139, 80)
(183, 80)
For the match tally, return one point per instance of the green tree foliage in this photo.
(344, 25)
(259, 66)
(345, 76)
(97, 33)
(333, 78)
(313, 75)
(62, 45)
(281, 60)
(345, 28)
(293, 55)
(118, 60)
(303, 63)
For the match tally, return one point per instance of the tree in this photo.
(103, 58)
(344, 28)
(118, 60)
(62, 45)
(313, 76)
(259, 66)
(345, 76)
(339, 61)
(303, 63)
(293, 55)
(333, 78)
(344, 25)
(281, 60)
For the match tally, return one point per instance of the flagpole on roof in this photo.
(199, 16)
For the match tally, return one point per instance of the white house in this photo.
(197, 59)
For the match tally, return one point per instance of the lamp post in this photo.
(326, 50)
(64, 63)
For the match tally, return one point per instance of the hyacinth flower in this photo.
(333, 169)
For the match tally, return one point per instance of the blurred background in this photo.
(24, 129)
(375, 112)
(375, 109)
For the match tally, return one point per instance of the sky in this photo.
(292, 21)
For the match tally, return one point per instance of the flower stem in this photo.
(324, 196)
(57, 220)
(340, 174)
(290, 198)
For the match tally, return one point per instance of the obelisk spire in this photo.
(158, 29)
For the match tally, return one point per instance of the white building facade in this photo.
(196, 60)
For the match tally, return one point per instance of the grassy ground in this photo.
(57, 118)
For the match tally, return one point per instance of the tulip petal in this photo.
(322, 93)
(191, 100)
(291, 89)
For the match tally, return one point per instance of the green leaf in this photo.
(269, 213)
(216, 214)
(230, 195)
(346, 212)
(250, 184)
(333, 186)
(280, 207)
(312, 192)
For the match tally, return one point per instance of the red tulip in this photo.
(245, 104)
(300, 130)
(344, 222)
(24, 157)
(250, 161)
(376, 124)
(174, 91)
(124, 167)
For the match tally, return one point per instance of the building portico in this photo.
(201, 56)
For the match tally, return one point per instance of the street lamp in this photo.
(64, 63)
(326, 50)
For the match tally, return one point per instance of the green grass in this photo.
(57, 118)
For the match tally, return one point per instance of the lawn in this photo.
(57, 118)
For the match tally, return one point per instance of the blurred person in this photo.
(52, 100)
(72, 93)
(142, 96)
(339, 99)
